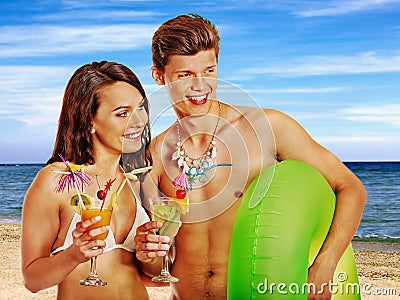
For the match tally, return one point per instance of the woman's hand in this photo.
(150, 245)
(84, 247)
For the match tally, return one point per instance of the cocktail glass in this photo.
(167, 211)
(98, 208)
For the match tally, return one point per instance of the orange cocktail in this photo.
(105, 220)
(94, 208)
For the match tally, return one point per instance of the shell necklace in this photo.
(184, 161)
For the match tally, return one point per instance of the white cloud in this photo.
(297, 90)
(33, 109)
(98, 14)
(30, 77)
(387, 114)
(32, 94)
(310, 8)
(73, 4)
(44, 40)
(357, 139)
(366, 62)
(333, 8)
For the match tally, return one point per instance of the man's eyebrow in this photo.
(210, 67)
(188, 70)
(182, 71)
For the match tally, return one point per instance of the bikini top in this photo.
(128, 244)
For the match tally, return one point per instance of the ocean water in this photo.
(380, 221)
(14, 182)
(381, 216)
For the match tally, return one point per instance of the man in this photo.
(248, 139)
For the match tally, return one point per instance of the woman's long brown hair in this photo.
(80, 103)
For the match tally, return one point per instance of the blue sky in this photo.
(332, 65)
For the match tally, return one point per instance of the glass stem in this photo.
(93, 270)
(165, 267)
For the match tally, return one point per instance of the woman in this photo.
(104, 110)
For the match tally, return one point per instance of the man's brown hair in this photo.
(183, 35)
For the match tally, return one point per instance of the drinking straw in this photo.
(131, 175)
(72, 177)
(106, 190)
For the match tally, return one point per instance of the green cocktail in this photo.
(167, 211)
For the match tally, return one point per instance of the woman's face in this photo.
(120, 119)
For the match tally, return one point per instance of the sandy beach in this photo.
(378, 268)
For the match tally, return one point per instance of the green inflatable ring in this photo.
(280, 226)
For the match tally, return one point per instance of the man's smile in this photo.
(198, 100)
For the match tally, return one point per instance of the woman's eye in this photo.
(122, 114)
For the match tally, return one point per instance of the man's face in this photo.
(191, 80)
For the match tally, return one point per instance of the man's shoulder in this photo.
(244, 110)
(253, 113)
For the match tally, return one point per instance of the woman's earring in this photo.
(92, 131)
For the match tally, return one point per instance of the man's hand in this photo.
(150, 245)
(320, 276)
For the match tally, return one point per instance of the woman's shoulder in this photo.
(47, 171)
(46, 180)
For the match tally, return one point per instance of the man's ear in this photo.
(157, 75)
